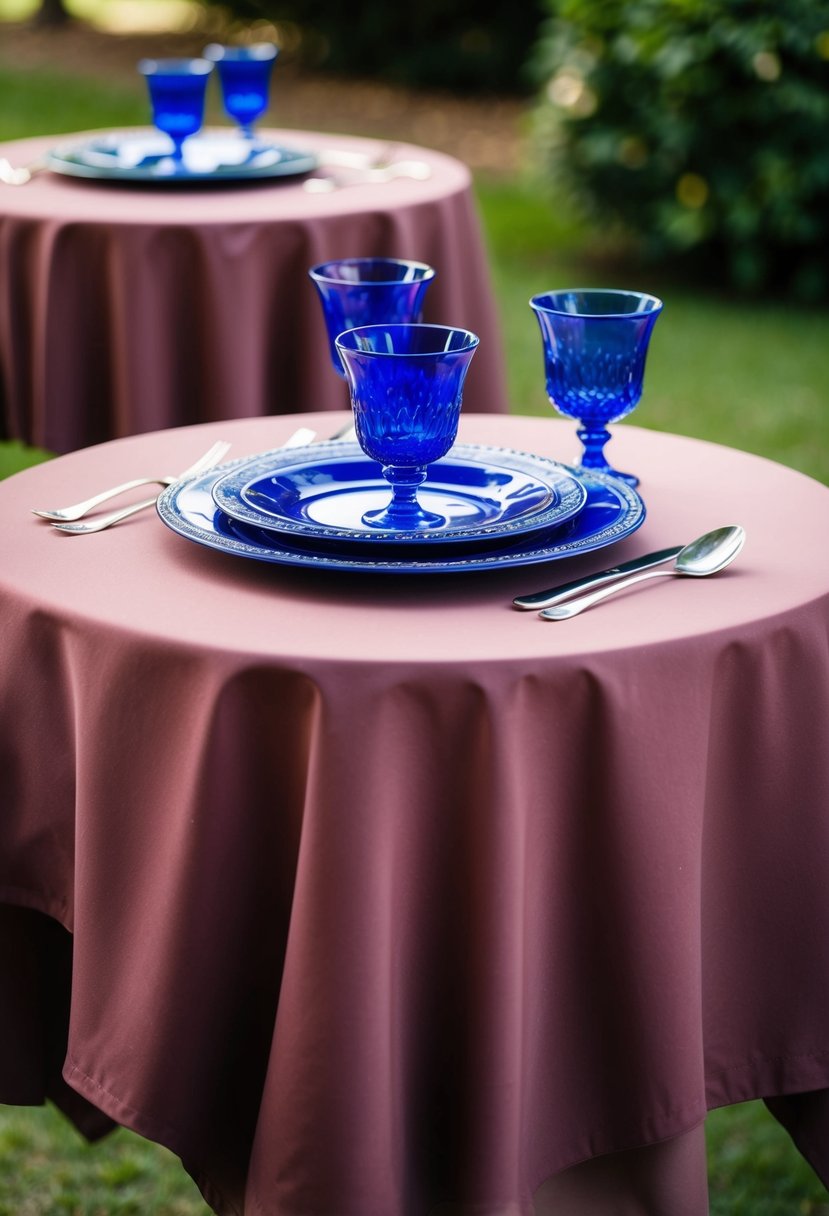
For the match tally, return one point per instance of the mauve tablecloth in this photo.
(126, 309)
(384, 895)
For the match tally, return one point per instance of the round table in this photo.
(386, 897)
(127, 308)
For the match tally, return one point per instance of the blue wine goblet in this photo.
(406, 385)
(595, 346)
(244, 76)
(369, 291)
(177, 89)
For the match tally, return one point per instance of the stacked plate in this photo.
(144, 156)
(304, 507)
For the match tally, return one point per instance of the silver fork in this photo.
(304, 435)
(100, 522)
(79, 509)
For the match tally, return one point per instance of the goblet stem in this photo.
(404, 510)
(593, 440)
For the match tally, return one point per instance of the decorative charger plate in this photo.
(144, 156)
(321, 492)
(612, 511)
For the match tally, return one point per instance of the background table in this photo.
(384, 895)
(126, 309)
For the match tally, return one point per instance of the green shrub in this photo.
(701, 126)
(468, 45)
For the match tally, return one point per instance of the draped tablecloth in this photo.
(388, 898)
(127, 308)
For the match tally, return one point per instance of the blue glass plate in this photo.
(322, 491)
(144, 156)
(612, 511)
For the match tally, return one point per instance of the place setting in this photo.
(178, 150)
(396, 493)
(405, 497)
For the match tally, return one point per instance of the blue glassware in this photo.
(613, 511)
(369, 291)
(406, 384)
(245, 76)
(177, 90)
(323, 491)
(595, 345)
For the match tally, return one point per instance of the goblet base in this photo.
(403, 511)
(396, 517)
(629, 478)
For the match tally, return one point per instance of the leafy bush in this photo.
(701, 125)
(468, 45)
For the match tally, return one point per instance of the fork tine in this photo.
(101, 522)
(79, 509)
(211, 457)
(209, 460)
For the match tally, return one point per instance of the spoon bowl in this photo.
(708, 554)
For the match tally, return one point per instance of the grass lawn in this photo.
(749, 374)
(46, 1169)
(752, 375)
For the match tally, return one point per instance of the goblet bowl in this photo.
(244, 76)
(595, 345)
(177, 90)
(406, 385)
(369, 291)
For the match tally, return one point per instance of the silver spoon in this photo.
(708, 554)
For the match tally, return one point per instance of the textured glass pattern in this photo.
(369, 291)
(177, 89)
(595, 346)
(244, 76)
(406, 385)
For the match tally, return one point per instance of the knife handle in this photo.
(556, 595)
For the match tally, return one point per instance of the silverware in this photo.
(706, 555)
(79, 509)
(324, 183)
(556, 595)
(343, 158)
(347, 433)
(300, 438)
(100, 522)
(20, 175)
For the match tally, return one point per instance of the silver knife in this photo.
(555, 595)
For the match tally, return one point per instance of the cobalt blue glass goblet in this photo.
(406, 384)
(177, 89)
(369, 291)
(595, 345)
(244, 76)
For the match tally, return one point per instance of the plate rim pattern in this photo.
(632, 514)
(570, 500)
